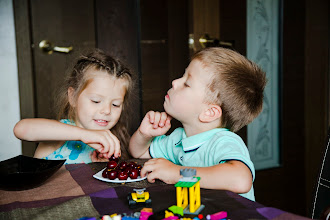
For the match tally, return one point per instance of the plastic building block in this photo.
(217, 216)
(128, 218)
(106, 217)
(139, 197)
(171, 218)
(144, 215)
(176, 210)
(193, 206)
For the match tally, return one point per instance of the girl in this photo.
(91, 102)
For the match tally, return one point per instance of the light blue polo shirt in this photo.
(203, 150)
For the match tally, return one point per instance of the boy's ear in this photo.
(213, 112)
(71, 96)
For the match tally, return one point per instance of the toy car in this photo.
(139, 197)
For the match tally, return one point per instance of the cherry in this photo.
(132, 164)
(112, 164)
(134, 174)
(105, 173)
(123, 165)
(121, 170)
(128, 170)
(114, 158)
(139, 167)
(122, 175)
(112, 174)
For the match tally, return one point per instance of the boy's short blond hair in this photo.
(237, 85)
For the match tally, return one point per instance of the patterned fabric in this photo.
(205, 149)
(72, 151)
(73, 193)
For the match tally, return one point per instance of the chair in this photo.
(321, 201)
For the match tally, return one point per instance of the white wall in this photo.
(9, 96)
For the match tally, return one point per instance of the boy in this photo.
(220, 92)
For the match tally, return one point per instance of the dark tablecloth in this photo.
(72, 193)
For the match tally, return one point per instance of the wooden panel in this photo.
(204, 19)
(164, 50)
(24, 62)
(154, 54)
(316, 85)
(212, 18)
(233, 23)
(178, 35)
(233, 29)
(178, 47)
(118, 34)
(65, 23)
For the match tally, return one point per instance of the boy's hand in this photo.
(98, 157)
(155, 124)
(103, 141)
(160, 168)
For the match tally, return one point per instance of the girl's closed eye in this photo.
(186, 84)
(95, 101)
(116, 105)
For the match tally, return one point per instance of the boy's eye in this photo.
(186, 85)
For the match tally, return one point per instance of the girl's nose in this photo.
(106, 109)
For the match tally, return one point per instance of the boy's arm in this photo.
(152, 125)
(139, 145)
(232, 175)
(38, 129)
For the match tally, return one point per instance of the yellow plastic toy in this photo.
(140, 196)
(189, 184)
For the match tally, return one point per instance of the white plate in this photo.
(100, 177)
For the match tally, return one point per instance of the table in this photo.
(73, 193)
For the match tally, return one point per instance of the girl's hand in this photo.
(160, 168)
(155, 124)
(98, 157)
(103, 141)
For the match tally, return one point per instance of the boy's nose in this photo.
(174, 83)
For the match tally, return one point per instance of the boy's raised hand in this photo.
(155, 124)
(103, 141)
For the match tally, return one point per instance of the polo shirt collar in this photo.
(192, 143)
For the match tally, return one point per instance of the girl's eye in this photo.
(186, 85)
(95, 101)
(115, 105)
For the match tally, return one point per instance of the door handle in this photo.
(48, 47)
(206, 41)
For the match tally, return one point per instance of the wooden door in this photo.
(72, 23)
(64, 23)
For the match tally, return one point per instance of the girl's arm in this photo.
(232, 175)
(152, 125)
(40, 130)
